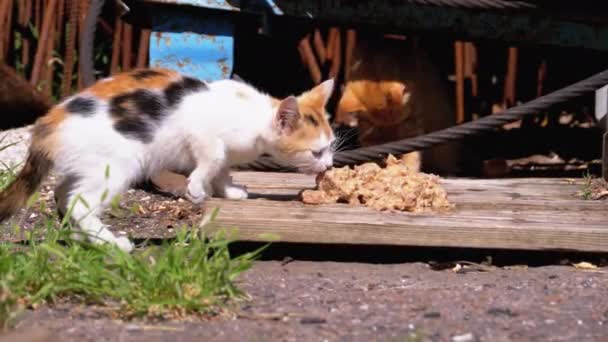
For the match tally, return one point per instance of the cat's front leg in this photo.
(224, 187)
(198, 189)
(210, 159)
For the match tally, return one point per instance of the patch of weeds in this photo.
(190, 275)
(413, 336)
(593, 188)
(587, 190)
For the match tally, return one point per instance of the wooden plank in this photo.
(534, 214)
(547, 193)
(296, 222)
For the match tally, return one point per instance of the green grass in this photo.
(192, 274)
(587, 188)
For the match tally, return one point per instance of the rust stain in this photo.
(158, 36)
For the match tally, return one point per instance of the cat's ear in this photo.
(347, 109)
(324, 91)
(399, 93)
(287, 115)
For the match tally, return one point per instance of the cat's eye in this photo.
(317, 154)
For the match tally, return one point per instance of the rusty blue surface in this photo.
(230, 5)
(200, 47)
(214, 4)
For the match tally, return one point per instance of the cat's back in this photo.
(239, 100)
(131, 104)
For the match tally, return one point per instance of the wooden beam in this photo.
(507, 229)
(532, 214)
(459, 70)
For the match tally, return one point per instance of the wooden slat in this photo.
(544, 192)
(534, 214)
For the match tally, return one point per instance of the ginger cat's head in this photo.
(305, 138)
(382, 103)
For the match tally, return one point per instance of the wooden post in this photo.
(459, 65)
(308, 57)
(542, 75)
(116, 45)
(319, 45)
(41, 50)
(601, 114)
(334, 70)
(127, 46)
(470, 64)
(142, 50)
(511, 78)
(351, 41)
(70, 47)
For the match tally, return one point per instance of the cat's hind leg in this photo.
(87, 196)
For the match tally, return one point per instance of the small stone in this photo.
(364, 307)
(502, 312)
(432, 314)
(132, 327)
(312, 320)
(463, 338)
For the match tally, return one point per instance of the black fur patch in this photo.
(146, 73)
(311, 119)
(177, 90)
(81, 106)
(136, 114)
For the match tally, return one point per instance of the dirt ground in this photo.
(334, 301)
(374, 293)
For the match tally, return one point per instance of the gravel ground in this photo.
(15, 154)
(329, 301)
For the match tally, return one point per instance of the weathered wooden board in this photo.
(535, 214)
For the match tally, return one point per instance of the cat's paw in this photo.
(124, 244)
(196, 198)
(235, 192)
(196, 193)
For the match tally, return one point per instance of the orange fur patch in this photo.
(380, 102)
(311, 125)
(44, 134)
(125, 82)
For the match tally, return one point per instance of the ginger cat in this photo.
(131, 126)
(393, 92)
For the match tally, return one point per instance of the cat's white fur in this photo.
(230, 123)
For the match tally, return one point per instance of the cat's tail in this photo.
(37, 166)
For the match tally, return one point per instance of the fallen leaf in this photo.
(585, 266)
(600, 195)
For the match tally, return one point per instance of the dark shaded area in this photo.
(20, 103)
(439, 256)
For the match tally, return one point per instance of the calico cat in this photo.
(129, 127)
(393, 92)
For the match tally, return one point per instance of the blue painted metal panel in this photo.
(215, 4)
(201, 47)
(234, 5)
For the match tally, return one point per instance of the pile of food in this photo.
(393, 187)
